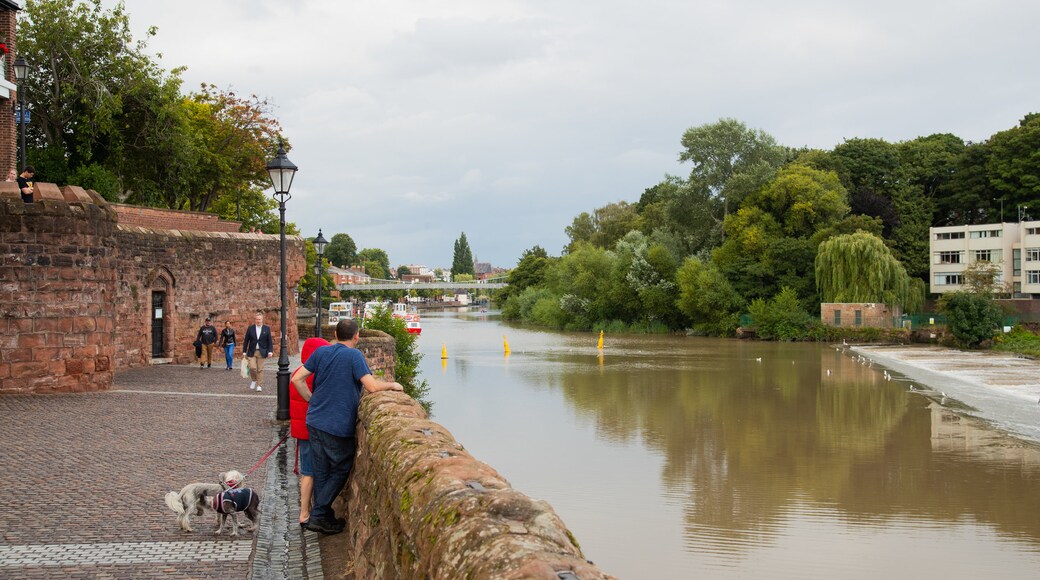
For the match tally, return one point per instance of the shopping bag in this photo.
(245, 368)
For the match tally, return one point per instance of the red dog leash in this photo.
(235, 484)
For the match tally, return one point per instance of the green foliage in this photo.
(972, 318)
(604, 227)
(462, 258)
(529, 271)
(376, 262)
(1013, 166)
(406, 370)
(860, 268)
(781, 317)
(96, 177)
(803, 200)
(341, 251)
(1019, 340)
(707, 298)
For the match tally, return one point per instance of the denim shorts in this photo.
(304, 447)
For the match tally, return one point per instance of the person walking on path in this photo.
(208, 337)
(257, 347)
(340, 373)
(227, 342)
(25, 183)
(298, 429)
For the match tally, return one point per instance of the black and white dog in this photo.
(225, 499)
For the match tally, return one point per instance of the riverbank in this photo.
(1001, 388)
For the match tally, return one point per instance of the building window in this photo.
(949, 236)
(1033, 254)
(1032, 231)
(949, 258)
(985, 234)
(837, 317)
(1032, 276)
(1016, 262)
(859, 318)
(948, 279)
(983, 255)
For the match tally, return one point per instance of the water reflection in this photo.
(769, 448)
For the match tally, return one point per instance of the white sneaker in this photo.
(252, 386)
(259, 388)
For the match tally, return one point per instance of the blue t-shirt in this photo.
(337, 371)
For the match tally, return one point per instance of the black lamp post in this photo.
(319, 247)
(21, 72)
(282, 171)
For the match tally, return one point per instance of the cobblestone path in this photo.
(83, 476)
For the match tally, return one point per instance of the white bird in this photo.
(759, 359)
(912, 389)
(828, 372)
(844, 342)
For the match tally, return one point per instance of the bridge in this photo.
(489, 284)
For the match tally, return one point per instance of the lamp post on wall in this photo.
(319, 246)
(282, 171)
(21, 73)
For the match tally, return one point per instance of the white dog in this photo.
(222, 498)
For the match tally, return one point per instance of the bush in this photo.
(1019, 340)
(971, 318)
(406, 370)
(781, 318)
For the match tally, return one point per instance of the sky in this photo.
(413, 121)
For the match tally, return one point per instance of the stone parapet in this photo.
(420, 506)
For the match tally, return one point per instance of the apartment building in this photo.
(1013, 247)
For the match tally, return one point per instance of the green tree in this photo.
(462, 259)
(781, 317)
(403, 271)
(725, 149)
(375, 260)
(972, 318)
(707, 297)
(1013, 165)
(860, 268)
(803, 200)
(341, 251)
(530, 270)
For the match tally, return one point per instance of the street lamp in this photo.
(319, 246)
(21, 72)
(282, 171)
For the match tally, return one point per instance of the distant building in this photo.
(1013, 247)
(353, 275)
(418, 269)
(410, 278)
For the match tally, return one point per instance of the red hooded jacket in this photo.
(297, 406)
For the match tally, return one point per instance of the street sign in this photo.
(18, 117)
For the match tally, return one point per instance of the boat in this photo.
(413, 326)
(340, 311)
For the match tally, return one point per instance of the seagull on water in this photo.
(759, 359)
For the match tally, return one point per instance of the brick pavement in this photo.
(84, 475)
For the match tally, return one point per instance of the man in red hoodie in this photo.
(298, 429)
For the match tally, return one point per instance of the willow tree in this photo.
(859, 267)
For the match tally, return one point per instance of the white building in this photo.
(1014, 248)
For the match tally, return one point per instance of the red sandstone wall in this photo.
(227, 276)
(8, 128)
(873, 315)
(168, 219)
(420, 506)
(57, 295)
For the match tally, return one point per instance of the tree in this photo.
(982, 277)
(860, 268)
(972, 318)
(375, 260)
(707, 297)
(530, 271)
(724, 150)
(803, 200)
(462, 259)
(341, 250)
(406, 365)
(1013, 166)
(403, 271)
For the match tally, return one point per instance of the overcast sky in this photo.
(415, 120)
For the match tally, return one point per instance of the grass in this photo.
(1020, 341)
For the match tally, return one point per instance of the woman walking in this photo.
(227, 342)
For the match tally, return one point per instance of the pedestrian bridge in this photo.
(396, 285)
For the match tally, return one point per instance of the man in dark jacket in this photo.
(208, 337)
(256, 347)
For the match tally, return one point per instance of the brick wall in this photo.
(168, 219)
(420, 506)
(8, 128)
(872, 315)
(57, 295)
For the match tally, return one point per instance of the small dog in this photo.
(223, 499)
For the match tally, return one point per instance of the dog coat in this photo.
(240, 498)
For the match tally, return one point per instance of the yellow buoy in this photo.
(444, 351)
(505, 343)
(600, 344)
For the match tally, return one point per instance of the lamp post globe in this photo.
(319, 247)
(282, 172)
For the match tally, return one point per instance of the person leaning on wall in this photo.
(25, 183)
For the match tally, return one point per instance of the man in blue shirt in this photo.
(340, 373)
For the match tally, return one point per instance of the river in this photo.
(681, 457)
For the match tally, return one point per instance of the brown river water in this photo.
(682, 457)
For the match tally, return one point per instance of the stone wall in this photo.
(419, 506)
(57, 292)
(8, 128)
(226, 276)
(871, 315)
(168, 219)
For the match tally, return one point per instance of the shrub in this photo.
(406, 370)
(972, 318)
(781, 318)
